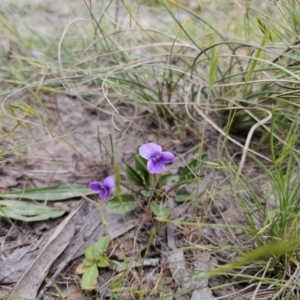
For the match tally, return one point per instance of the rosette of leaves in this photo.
(95, 258)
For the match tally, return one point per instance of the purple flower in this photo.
(156, 157)
(105, 188)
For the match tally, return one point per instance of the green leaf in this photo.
(182, 195)
(140, 164)
(102, 243)
(145, 193)
(141, 293)
(193, 167)
(166, 178)
(213, 67)
(51, 193)
(27, 212)
(103, 262)
(120, 265)
(133, 176)
(189, 173)
(187, 170)
(88, 262)
(127, 204)
(160, 211)
(187, 179)
(89, 278)
(141, 167)
(91, 252)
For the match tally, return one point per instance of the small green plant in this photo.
(145, 184)
(94, 258)
(150, 160)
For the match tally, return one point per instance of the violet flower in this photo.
(156, 157)
(104, 188)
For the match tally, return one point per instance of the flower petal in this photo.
(155, 166)
(95, 186)
(109, 182)
(149, 150)
(104, 194)
(166, 157)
